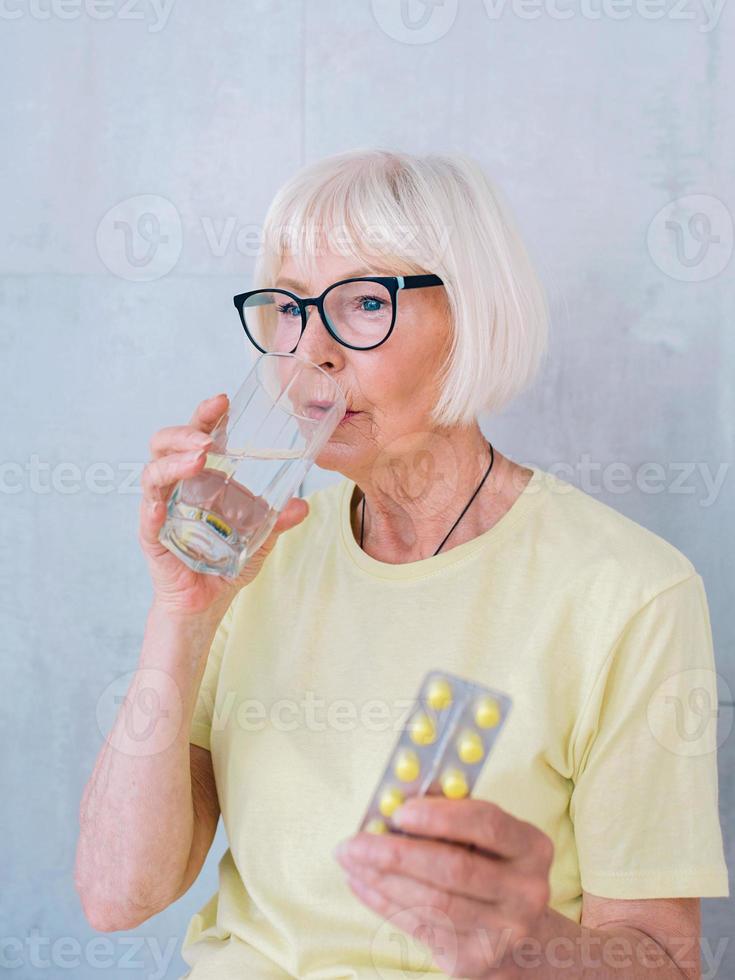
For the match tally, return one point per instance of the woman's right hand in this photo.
(179, 452)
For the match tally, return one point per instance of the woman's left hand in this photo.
(471, 885)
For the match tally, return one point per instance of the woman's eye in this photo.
(371, 304)
(289, 308)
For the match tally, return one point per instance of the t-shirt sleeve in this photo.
(201, 723)
(644, 801)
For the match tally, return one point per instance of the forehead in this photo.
(321, 270)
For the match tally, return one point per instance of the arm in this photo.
(206, 814)
(150, 808)
(147, 816)
(652, 939)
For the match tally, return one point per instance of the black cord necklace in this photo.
(492, 460)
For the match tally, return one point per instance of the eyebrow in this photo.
(294, 284)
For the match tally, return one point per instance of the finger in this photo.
(152, 516)
(474, 952)
(208, 413)
(178, 438)
(480, 823)
(451, 867)
(292, 514)
(442, 941)
(438, 907)
(160, 475)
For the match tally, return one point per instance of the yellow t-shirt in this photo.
(597, 628)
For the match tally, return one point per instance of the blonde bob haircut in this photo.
(424, 214)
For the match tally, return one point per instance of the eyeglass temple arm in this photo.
(418, 282)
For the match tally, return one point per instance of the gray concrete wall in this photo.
(604, 123)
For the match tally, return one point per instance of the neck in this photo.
(416, 490)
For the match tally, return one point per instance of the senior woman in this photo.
(592, 831)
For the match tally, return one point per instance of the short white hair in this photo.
(436, 214)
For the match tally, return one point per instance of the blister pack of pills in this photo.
(449, 733)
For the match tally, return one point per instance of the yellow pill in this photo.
(220, 526)
(487, 713)
(422, 729)
(376, 826)
(407, 766)
(390, 800)
(439, 694)
(453, 784)
(469, 747)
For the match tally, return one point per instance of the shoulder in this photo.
(592, 536)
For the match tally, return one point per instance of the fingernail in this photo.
(200, 439)
(195, 455)
(215, 397)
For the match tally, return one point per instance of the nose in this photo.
(316, 343)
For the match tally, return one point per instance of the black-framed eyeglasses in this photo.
(359, 313)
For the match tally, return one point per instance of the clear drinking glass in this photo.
(277, 424)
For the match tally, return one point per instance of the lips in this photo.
(317, 410)
(325, 405)
(347, 416)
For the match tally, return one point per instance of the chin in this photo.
(334, 455)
